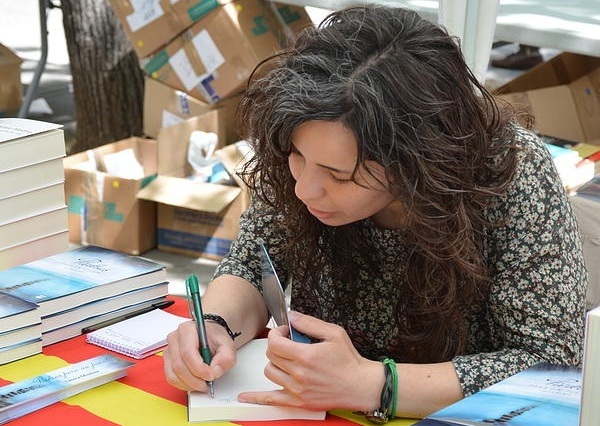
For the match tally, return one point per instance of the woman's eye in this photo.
(341, 181)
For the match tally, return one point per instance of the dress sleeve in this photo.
(536, 307)
(258, 224)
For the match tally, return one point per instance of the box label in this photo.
(77, 205)
(157, 62)
(194, 242)
(288, 15)
(201, 8)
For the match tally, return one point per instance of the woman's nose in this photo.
(309, 186)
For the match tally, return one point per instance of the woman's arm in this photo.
(241, 305)
(331, 374)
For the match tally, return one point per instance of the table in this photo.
(142, 398)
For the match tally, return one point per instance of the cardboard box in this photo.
(563, 94)
(289, 21)
(165, 106)
(11, 90)
(194, 219)
(150, 25)
(104, 209)
(215, 56)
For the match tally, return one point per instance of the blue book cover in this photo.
(544, 394)
(79, 276)
(17, 313)
(26, 396)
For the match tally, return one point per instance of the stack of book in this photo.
(79, 288)
(33, 212)
(573, 169)
(20, 328)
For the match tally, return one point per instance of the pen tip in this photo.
(211, 388)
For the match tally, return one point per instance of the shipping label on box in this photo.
(562, 94)
(165, 106)
(104, 209)
(151, 24)
(11, 90)
(215, 56)
(194, 218)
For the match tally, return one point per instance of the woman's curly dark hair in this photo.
(401, 85)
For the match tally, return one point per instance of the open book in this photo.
(247, 375)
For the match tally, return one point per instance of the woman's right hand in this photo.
(183, 365)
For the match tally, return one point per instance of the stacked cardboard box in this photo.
(215, 56)
(198, 56)
(103, 207)
(202, 52)
(195, 219)
(563, 96)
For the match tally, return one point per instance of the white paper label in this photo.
(184, 70)
(209, 54)
(144, 12)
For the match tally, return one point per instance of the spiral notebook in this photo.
(137, 337)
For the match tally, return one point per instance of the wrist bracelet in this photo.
(389, 395)
(219, 320)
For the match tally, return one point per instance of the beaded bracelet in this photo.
(389, 395)
(221, 321)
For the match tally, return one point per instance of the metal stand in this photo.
(43, 5)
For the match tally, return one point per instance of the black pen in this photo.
(193, 290)
(102, 324)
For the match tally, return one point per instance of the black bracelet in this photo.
(387, 404)
(219, 320)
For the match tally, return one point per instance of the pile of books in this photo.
(21, 327)
(63, 294)
(573, 169)
(33, 212)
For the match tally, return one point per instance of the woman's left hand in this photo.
(329, 374)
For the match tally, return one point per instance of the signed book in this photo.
(76, 277)
(23, 397)
(247, 375)
(544, 394)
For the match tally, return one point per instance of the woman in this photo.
(416, 221)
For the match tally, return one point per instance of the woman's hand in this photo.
(183, 365)
(329, 374)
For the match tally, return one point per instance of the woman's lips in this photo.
(319, 214)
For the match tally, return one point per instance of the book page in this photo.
(247, 375)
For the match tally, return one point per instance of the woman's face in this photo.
(323, 158)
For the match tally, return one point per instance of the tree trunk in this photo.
(108, 83)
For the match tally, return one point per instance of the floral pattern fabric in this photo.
(536, 307)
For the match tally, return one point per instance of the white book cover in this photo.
(246, 375)
(590, 410)
(33, 227)
(24, 142)
(30, 203)
(38, 248)
(18, 181)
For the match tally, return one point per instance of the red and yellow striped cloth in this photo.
(142, 398)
